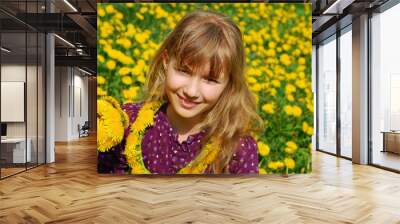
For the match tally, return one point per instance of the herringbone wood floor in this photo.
(70, 191)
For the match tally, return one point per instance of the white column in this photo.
(360, 90)
(50, 99)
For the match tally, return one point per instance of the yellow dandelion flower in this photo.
(101, 12)
(271, 44)
(270, 52)
(289, 150)
(160, 13)
(111, 121)
(285, 59)
(290, 97)
(126, 43)
(272, 91)
(310, 131)
(291, 144)
(286, 47)
(109, 9)
(111, 64)
(124, 71)
(130, 93)
(301, 83)
(118, 16)
(263, 148)
(101, 92)
(288, 109)
(305, 126)
(289, 163)
(310, 107)
(127, 80)
(143, 9)
(140, 16)
(100, 58)
(291, 147)
(280, 164)
(272, 165)
(141, 78)
(302, 61)
(256, 87)
(276, 83)
(141, 37)
(262, 171)
(251, 80)
(136, 52)
(297, 111)
(254, 63)
(268, 108)
(100, 80)
(289, 88)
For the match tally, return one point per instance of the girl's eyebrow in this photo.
(187, 69)
(182, 67)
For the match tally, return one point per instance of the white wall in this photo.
(33, 126)
(61, 103)
(16, 73)
(71, 94)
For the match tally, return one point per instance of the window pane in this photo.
(327, 96)
(345, 94)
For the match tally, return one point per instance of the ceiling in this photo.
(72, 20)
(332, 15)
(76, 23)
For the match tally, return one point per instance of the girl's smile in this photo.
(187, 104)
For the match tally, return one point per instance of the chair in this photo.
(84, 130)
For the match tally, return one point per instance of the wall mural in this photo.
(204, 88)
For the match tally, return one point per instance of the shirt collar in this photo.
(162, 113)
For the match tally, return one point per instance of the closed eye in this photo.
(183, 72)
(211, 80)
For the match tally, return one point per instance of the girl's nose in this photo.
(192, 90)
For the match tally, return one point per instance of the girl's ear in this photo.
(165, 58)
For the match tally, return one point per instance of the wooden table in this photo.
(391, 141)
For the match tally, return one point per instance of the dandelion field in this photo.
(277, 39)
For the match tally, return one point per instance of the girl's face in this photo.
(190, 95)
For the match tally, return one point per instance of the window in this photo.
(346, 92)
(327, 95)
(385, 89)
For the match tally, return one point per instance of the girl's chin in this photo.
(185, 113)
(188, 113)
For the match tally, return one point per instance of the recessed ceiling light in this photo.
(64, 40)
(5, 49)
(86, 72)
(70, 5)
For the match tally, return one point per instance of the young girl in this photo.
(198, 113)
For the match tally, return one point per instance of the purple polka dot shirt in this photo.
(164, 154)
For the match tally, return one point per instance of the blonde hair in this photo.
(211, 38)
